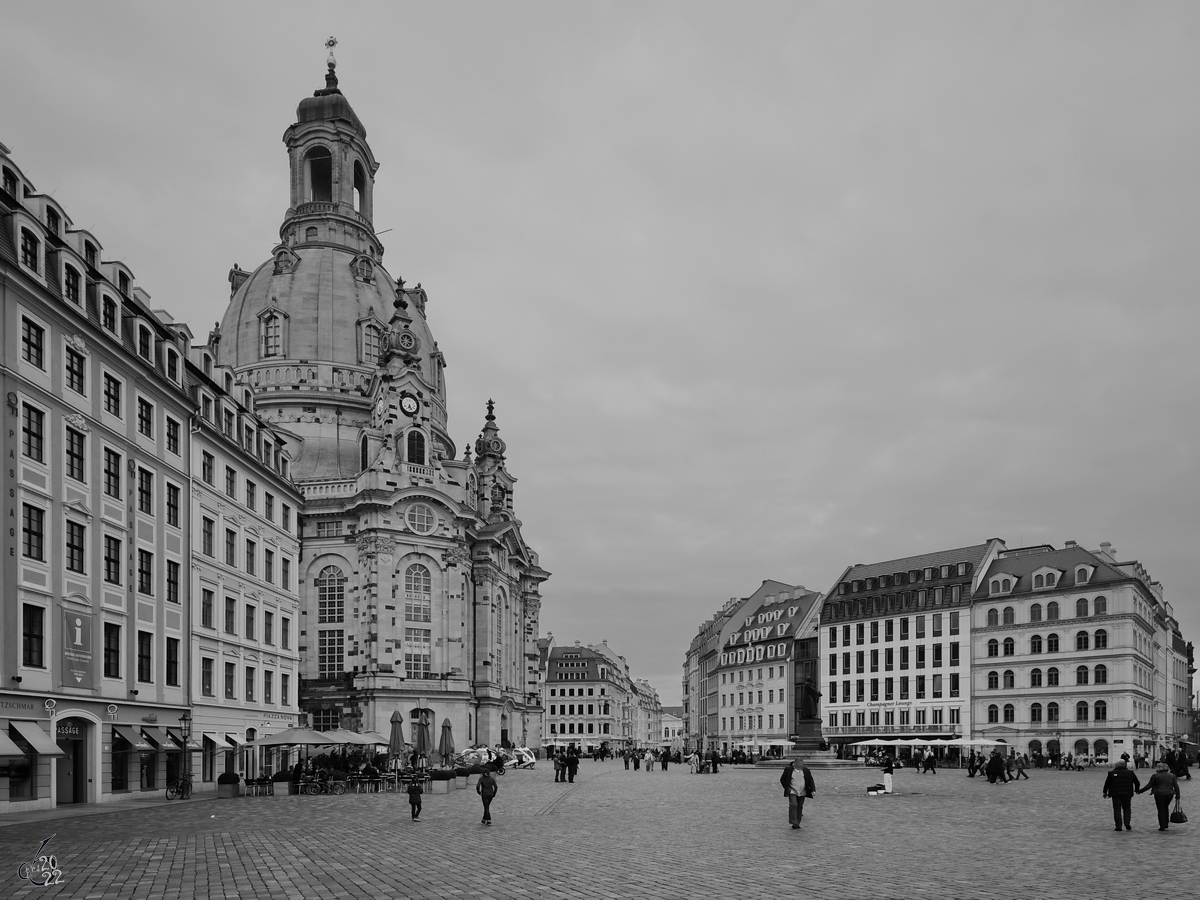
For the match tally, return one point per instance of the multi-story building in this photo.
(418, 592)
(767, 671)
(93, 653)
(587, 699)
(245, 618)
(674, 728)
(701, 679)
(1076, 651)
(896, 646)
(647, 714)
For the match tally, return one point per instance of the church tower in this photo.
(418, 592)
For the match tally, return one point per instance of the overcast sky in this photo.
(760, 290)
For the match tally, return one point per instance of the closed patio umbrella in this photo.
(396, 743)
(446, 744)
(422, 739)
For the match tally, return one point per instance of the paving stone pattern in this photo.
(619, 834)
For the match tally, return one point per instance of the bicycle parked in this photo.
(322, 786)
(181, 788)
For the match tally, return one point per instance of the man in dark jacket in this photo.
(796, 787)
(1120, 786)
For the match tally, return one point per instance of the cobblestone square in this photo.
(626, 834)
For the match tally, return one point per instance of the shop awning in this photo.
(234, 739)
(190, 743)
(160, 738)
(38, 739)
(8, 748)
(134, 739)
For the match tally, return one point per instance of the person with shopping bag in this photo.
(1165, 788)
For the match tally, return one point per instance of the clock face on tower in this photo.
(409, 405)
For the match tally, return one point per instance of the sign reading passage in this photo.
(77, 656)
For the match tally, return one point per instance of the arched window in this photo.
(1010, 679)
(993, 713)
(310, 233)
(993, 647)
(995, 585)
(1081, 674)
(1052, 713)
(1035, 678)
(415, 450)
(499, 618)
(1101, 674)
(1101, 639)
(360, 188)
(1009, 615)
(1100, 748)
(1035, 613)
(1035, 644)
(1035, 715)
(1010, 713)
(993, 681)
(1005, 585)
(370, 349)
(1052, 611)
(272, 332)
(1050, 579)
(1100, 711)
(1038, 581)
(1010, 647)
(1081, 711)
(1081, 640)
(1100, 607)
(1052, 643)
(1052, 677)
(1081, 608)
(1081, 575)
(318, 165)
(331, 595)
(417, 594)
(362, 453)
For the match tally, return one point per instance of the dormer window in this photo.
(53, 222)
(228, 383)
(370, 346)
(1051, 578)
(10, 181)
(173, 365)
(89, 253)
(962, 568)
(145, 345)
(206, 365)
(272, 336)
(108, 314)
(71, 284)
(123, 283)
(929, 573)
(1083, 574)
(945, 571)
(31, 251)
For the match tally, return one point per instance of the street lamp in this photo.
(185, 729)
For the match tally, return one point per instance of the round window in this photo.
(420, 518)
(406, 340)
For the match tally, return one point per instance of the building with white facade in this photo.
(896, 646)
(674, 729)
(1076, 651)
(245, 618)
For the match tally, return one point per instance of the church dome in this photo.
(326, 106)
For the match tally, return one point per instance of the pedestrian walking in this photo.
(1021, 763)
(1164, 785)
(648, 759)
(887, 766)
(558, 766)
(930, 763)
(487, 790)
(664, 759)
(625, 756)
(1120, 786)
(415, 790)
(797, 784)
(716, 760)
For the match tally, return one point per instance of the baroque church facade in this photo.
(418, 592)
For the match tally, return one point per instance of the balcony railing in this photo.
(314, 489)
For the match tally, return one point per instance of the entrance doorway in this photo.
(73, 764)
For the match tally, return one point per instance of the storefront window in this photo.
(149, 765)
(121, 752)
(21, 770)
(208, 761)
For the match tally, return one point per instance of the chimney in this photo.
(1106, 547)
(577, 643)
(1070, 544)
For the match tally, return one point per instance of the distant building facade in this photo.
(674, 729)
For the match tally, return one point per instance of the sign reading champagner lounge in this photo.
(77, 656)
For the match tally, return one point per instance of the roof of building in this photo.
(676, 711)
(974, 554)
(1021, 567)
